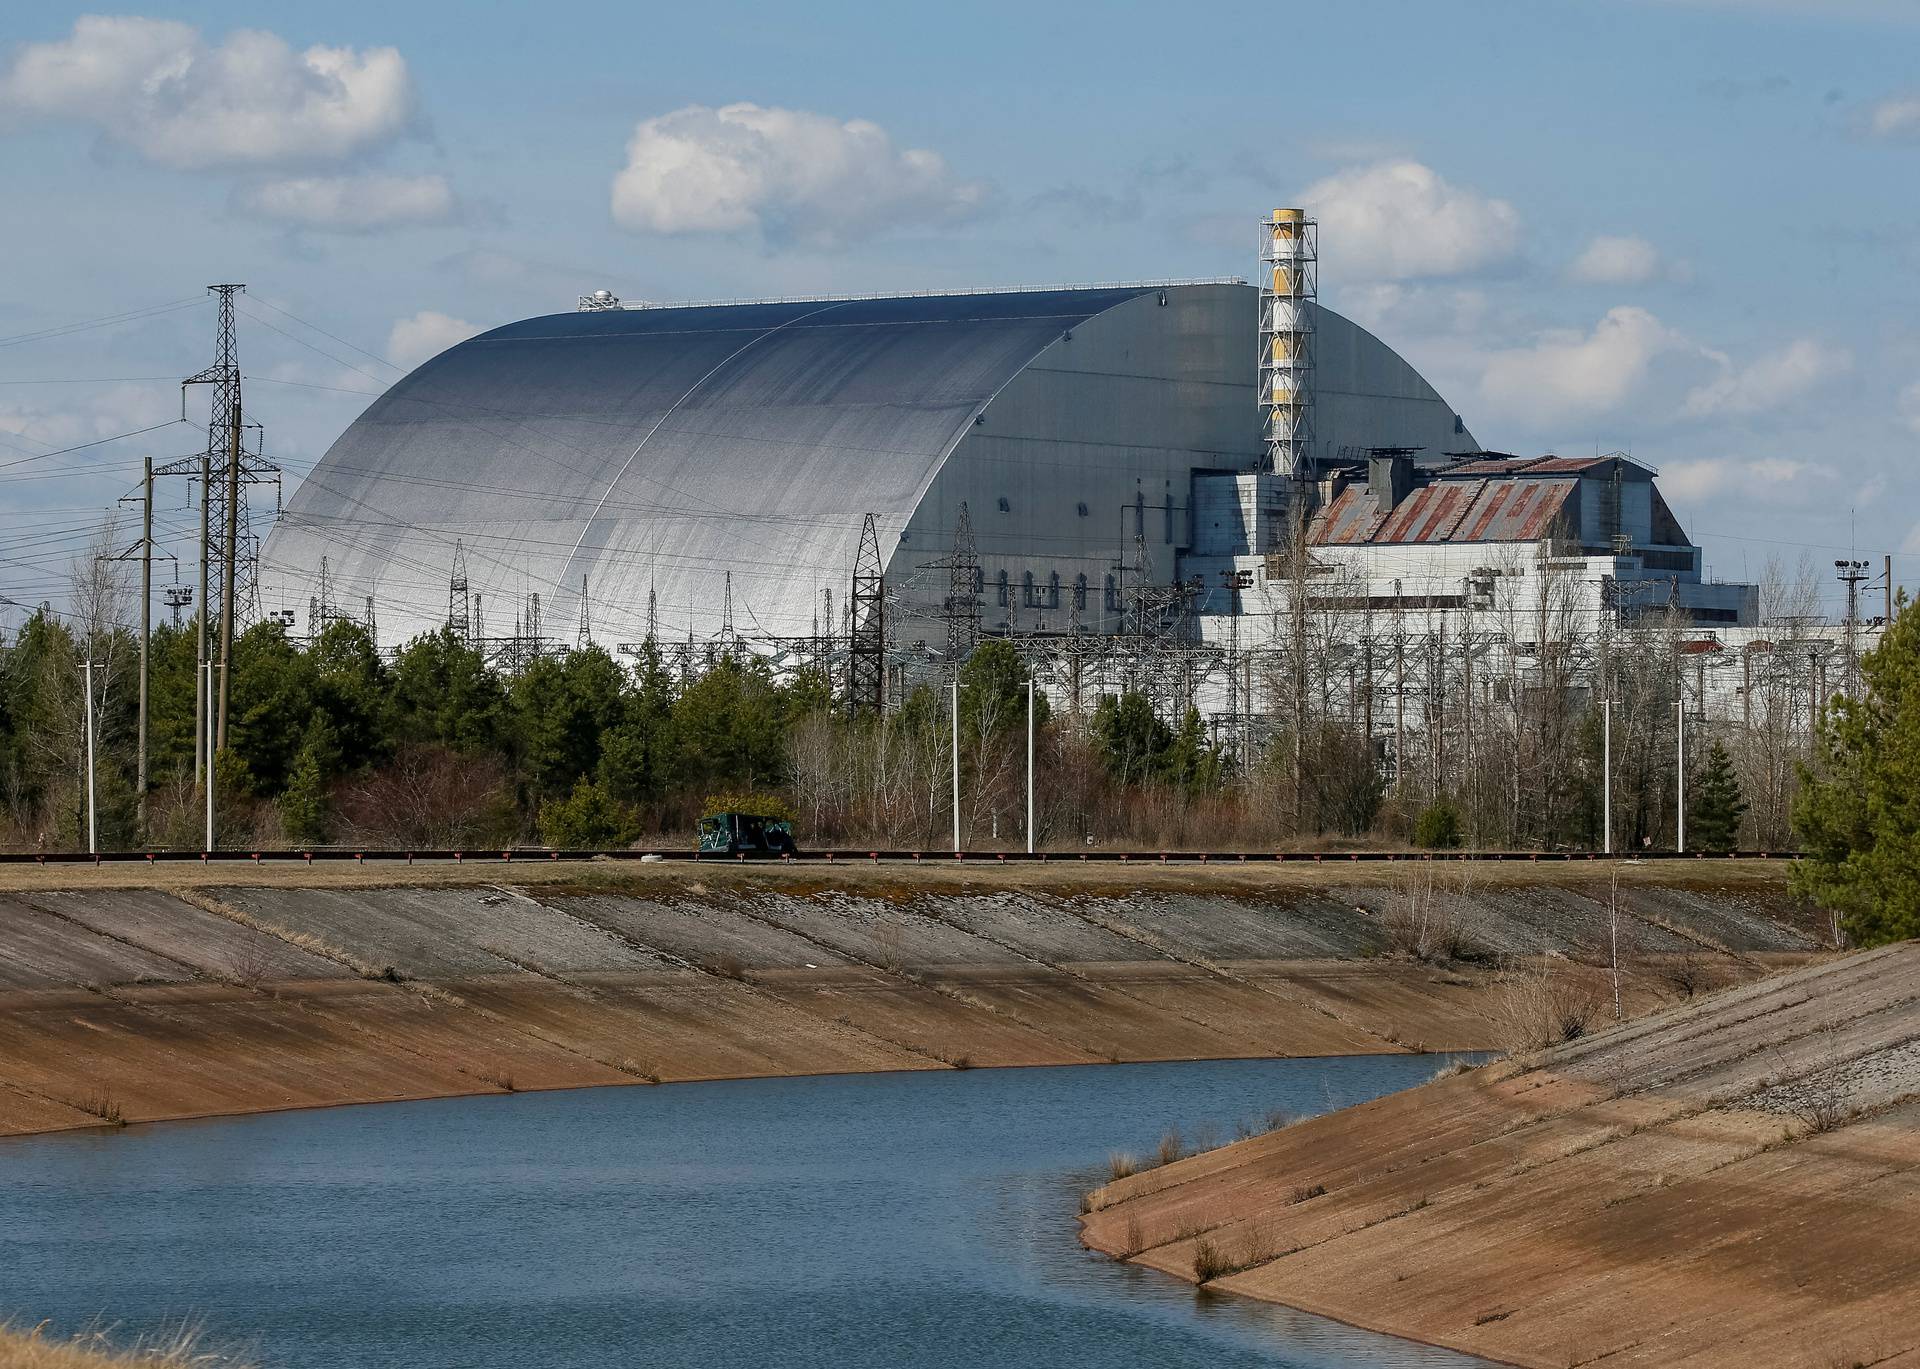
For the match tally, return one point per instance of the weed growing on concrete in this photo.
(105, 1106)
(1209, 1261)
(250, 964)
(1121, 1165)
(1453, 1068)
(1538, 1007)
(639, 1069)
(1172, 1147)
(1307, 1192)
(497, 1075)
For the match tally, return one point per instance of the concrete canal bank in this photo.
(138, 994)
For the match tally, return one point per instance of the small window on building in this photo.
(1459, 425)
(1080, 593)
(1113, 596)
(1053, 590)
(1026, 591)
(1005, 507)
(979, 580)
(1081, 509)
(1001, 584)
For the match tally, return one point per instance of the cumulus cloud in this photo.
(424, 336)
(1909, 406)
(1400, 220)
(1617, 260)
(1769, 382)
(352, 204)
(1761, 478)
(1896, 117)
(160, 88)
(784, 172)
(1569, 375)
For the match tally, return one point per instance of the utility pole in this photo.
(144, 549)
(205, 726)
(1680, 750)
(93, 844)
(956, 765)
(1606, 774)
(1029, 765)
(1888, 618)
(146, 635)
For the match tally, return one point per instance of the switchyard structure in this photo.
(1222, 494)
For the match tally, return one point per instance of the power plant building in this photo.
(1131, 461)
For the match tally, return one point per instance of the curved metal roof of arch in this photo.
(656, 447)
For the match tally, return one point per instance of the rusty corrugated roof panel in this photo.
(1511, 510)
(1349, 520)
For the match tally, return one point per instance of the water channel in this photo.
(904, 1221)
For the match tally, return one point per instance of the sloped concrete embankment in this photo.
(1732, 1181)
(122, 1004)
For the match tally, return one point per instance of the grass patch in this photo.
(1172, 1147)
(1122, 1165)
(103, 1105)
(33, 1348)
(1306, 1193)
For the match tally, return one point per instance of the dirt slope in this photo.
(138, 994)
(1729, 1181)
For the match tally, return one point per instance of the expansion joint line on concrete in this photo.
(932, 986)
(1130, 933)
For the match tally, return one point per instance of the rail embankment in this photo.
(133, 994)
(1732, 1180)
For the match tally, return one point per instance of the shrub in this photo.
(587, 819)
(1438, 826)
(1209, 1261)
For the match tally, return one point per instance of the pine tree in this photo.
(1858, 812)
(303, 807)
(1713, 818)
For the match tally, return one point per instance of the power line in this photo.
(325, 334)
(83, 446)
(106, 321)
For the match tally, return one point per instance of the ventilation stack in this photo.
(1290, 253)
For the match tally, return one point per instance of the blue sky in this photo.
(1684, 228)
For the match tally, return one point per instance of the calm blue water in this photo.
(882, 1220)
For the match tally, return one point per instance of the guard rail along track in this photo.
(409, 857)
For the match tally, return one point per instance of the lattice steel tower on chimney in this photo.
(1290, 255)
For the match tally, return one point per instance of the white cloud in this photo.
(1897, 116)
(1909, 406)
(1567, 375)
(1399, 220)
(785, 172)
(353, 204)
(1770, 382)
(1751, 478)
(157, 86)
(1611, 260)
(424, 336)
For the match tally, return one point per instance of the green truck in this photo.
(745, 834)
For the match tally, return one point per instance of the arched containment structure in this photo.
(661, 450)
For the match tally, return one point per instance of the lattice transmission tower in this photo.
(867, 647)
(229, 558)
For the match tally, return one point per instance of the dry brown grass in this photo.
(34, 1349)
(1537, 1006)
